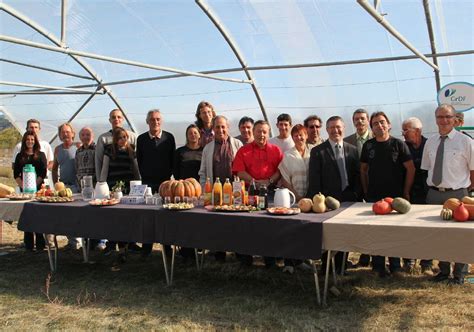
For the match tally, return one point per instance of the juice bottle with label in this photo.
(237, 191)
(227, 193)
(217, 193)
(245, 198)
(263, 197)
(208, 192)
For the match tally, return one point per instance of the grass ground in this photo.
(221, 297)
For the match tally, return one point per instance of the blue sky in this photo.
(178, 34)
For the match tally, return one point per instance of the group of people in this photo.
(368, 165)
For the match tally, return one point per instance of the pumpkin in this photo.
(305, 205)
(468, 200)
(381, 207)
(389, 200)
(319, 205)
(332, 203)
(180, 188)
(470, 209)
(446, 214)
(461, 213)
(401, 205)
(451, 203)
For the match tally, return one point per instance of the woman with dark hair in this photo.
(30, 154)
(187, 162)
(187, 159)
(120, 164)
(204, 115)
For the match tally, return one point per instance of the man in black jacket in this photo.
(155, 151)
(334, 169)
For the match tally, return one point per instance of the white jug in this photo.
(283, 198)
(101, 190)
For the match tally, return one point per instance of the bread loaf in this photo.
(5, 190)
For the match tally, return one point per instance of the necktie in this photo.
(438, 166)
(340, 166)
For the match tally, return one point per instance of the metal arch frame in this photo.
(206, 9)
(37, 27)
(429, 24)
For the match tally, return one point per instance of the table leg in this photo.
(173, 253)
(326, 278)
(52, 257)
(165, 264)
(316, 282)
(343, 267)
(85, 251)
(196, 253)
(333, 264)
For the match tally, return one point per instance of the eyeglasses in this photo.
(447, 117)
(314, 127)
(406, 130)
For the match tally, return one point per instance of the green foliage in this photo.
(9, 137)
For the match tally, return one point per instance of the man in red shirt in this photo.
(258, 160)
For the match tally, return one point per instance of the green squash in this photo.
(401, 205)
(332, 203)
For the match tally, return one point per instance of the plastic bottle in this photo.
(217, 193)
(227, 192)
(208, 192)
(243, 193)
(262, 197)
(253, 194)
(29, 179)
(237, 191)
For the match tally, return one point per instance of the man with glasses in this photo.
(386, 170)
(313, 127)
(449, 159)
(360, 119)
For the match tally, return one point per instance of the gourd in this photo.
(389, 200)
(319, 205)
(446, 214)
(332, 203)
(451, 203)
(461, 213)
(401, 205)
(468, 200)
(470, 209)
(179, 188)
(381, 207)
(305, 205)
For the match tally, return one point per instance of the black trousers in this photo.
(29, 239)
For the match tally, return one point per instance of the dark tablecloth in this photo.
(256, 233)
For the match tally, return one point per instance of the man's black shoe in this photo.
(456, 281)
(440, 277)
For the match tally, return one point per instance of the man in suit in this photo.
(334, 169)
(360, 119)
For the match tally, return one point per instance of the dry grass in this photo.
(222, 297)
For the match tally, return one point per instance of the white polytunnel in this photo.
(77, 60)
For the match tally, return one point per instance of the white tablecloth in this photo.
(420, 233)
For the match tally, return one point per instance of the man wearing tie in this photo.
(334, 169)
(449, 159)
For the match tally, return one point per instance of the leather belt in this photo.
(441, 189)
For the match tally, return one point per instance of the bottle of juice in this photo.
(237, 191)
(217, 193)
(253, 194)
(227, 193)
(244, 195)
(208, 192)
(262, 197)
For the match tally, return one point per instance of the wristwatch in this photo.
(270, 180)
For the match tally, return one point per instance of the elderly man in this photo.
(217, 157)
(246, 130)
(116, 119)
(155, 152)
(313, 125)
(360, 119)
(387, 170)
(283, 140)
(259, 160)
(85, 155)
(459, 122)
(449, 159)
(411, 131)
(334, 169)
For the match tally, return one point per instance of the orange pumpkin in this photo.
(461, 213)
(470, 209)
(180, 188)
(381, 207)
(451, 203)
